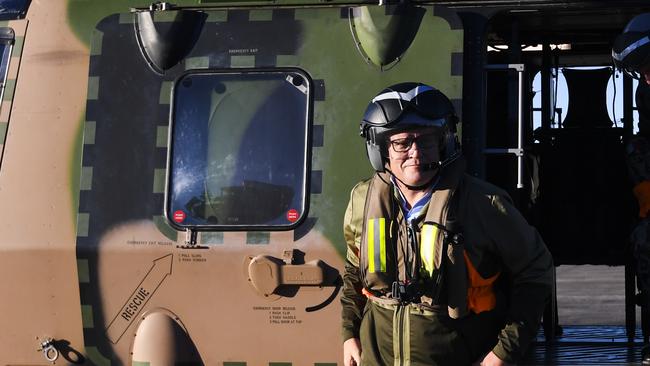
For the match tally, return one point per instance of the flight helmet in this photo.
(403, 107)
(631, 49)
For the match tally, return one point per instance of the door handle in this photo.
(268, 274)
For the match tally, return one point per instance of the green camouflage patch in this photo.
(165, 229)
(3, 131)
(165, 92)
(162, 134)
(306, 14)
(96, 43)
(197, 63)
(10, 86)
(83, 272)
(87, 316)
(159, 180)
(89, 132)
(217, 16)
(74, 166)
(93, 87)
(19, 42)
(211, 237)
(165, 16)
(126, 18)
(86, 181)
(83, 219)
(242, 61)
(96, 357)
(258, 237)
(287, 60)
(316, 158)
(260, 15)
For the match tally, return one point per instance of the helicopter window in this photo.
(239, 150)
(7, 38)
(13, 9)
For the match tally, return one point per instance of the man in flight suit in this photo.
(631, 53)
(441, 268)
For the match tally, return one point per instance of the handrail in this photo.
(519, 150)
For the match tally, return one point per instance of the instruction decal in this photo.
(280, 315)
(192, 258)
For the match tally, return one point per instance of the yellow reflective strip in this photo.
(425, 247)
(370, 232)
(382, 243)
(428, 238)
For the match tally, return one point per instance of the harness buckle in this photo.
(405, 293)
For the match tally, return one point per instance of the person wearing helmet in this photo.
(430, 248)
(631, 53)
(631, 49)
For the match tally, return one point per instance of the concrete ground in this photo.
(591, 295)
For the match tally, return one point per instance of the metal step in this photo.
(587, 345)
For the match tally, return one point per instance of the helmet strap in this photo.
(415, 188)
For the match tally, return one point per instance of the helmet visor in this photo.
(631, 52)
(387, 108)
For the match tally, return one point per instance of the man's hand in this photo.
(352, 352)
(491, 360)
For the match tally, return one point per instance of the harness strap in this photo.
(391, 304)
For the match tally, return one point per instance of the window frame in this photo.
(306, 176)
(8, 38)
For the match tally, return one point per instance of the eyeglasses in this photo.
(425, 141)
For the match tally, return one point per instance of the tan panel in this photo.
(48, 105)
(210, 293)
(37, 230)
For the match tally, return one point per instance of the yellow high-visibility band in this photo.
(382, 243)
(376, 233)
(371, 245)
(428, 238)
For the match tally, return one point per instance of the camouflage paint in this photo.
(75, 167)
(83, 15)
(343, 156)
(132, 209)
(345, 61)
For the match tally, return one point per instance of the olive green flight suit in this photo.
(496, 240)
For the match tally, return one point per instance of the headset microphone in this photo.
(430, 166)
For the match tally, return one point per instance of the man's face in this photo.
(410, 152)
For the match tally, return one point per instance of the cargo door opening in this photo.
(573, 186)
